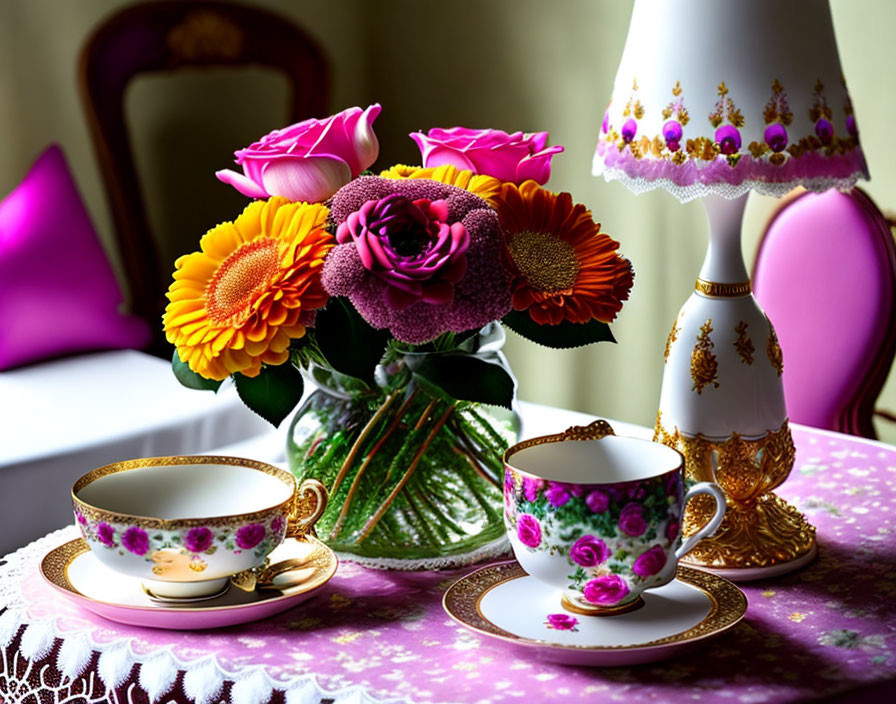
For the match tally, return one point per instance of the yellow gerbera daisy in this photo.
(485, 187)
(237, 303)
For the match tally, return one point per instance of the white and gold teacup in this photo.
(186, 525)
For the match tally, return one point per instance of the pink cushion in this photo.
(825, 277)
(58, 293)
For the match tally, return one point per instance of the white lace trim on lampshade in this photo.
(156, 671)
(497, 548)
(753, 100)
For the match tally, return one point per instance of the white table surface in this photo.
(60, 419)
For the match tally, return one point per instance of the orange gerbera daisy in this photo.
(237, 303)
(485, 187)
(564, 267)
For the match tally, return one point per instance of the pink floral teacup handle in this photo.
(716, 492)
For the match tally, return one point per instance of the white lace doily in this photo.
(490, 551)
(157, 667)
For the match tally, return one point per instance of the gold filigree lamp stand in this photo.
(722, 406)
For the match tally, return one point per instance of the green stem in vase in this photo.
(371, 523)
(362, 436)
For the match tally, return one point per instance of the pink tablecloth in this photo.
(828, 631)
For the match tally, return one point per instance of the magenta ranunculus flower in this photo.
(557, 493)
(631, 520)
(482, 294)
(135, 540)
(649, 562)
(561, 622)
(597, 501)
(528, 530)
(247, 537)
(198, 539)
(589, 551)
(513, 157)
(105, 534)
(310, 160)
(410, 247)
(606, 591)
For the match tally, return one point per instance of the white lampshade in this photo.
(724, 96)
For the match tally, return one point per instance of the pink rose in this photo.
(589, 551)
(672, 530)
(247, 537)
(650, 562)
(606, 591)
(528, 530)
(513, 157)
(631, 520)
(557, 494)
(562, 622)
(531, 488)
(597, 501)
(308, 161)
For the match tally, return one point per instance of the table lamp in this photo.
(714, 99)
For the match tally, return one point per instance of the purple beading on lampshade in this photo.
(708, 116)
(58, 293)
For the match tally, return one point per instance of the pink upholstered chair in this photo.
(826, 276)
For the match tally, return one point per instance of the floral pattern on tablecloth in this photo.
(826, 629)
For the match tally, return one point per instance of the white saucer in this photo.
(78, 575)
(503, 602)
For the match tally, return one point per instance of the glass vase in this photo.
(415, 480)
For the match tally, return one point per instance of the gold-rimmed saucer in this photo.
(78, 575)
(503, 602)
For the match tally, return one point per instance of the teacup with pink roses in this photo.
(598, 516)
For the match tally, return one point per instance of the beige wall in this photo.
(510, 64)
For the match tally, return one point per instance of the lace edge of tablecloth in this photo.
(204, 677)
(499, 547)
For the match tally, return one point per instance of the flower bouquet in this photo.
(389, 292)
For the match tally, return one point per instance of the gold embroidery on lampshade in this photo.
(773, 349)
(673, 336)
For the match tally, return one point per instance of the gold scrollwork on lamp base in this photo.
(760, 529)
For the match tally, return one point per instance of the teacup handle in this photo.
(309, 502)
(716, 492)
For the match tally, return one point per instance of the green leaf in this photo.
(187, 377)
(467, 378)
(566, 335)
(273, 393)
(350, 344)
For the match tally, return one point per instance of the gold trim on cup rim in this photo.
(595, 430)
(149, 522)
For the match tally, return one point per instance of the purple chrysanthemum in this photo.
(481, 296)
(135, 540)
(198, 539)
(247, 537)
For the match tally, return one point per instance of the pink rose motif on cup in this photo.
(247, 537)
(410, 247)
(650, 562)
(80, 518)
(589, 551)
(198, 539)
(561, 622)
(606, 591)
(597, 501)
(105, 534)
(513, 157)
(531, 488)
(277, 525)
(308, 161)
(557, 494)
(135, 540)
(672, 530)
(528, 530)
(631, 520)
